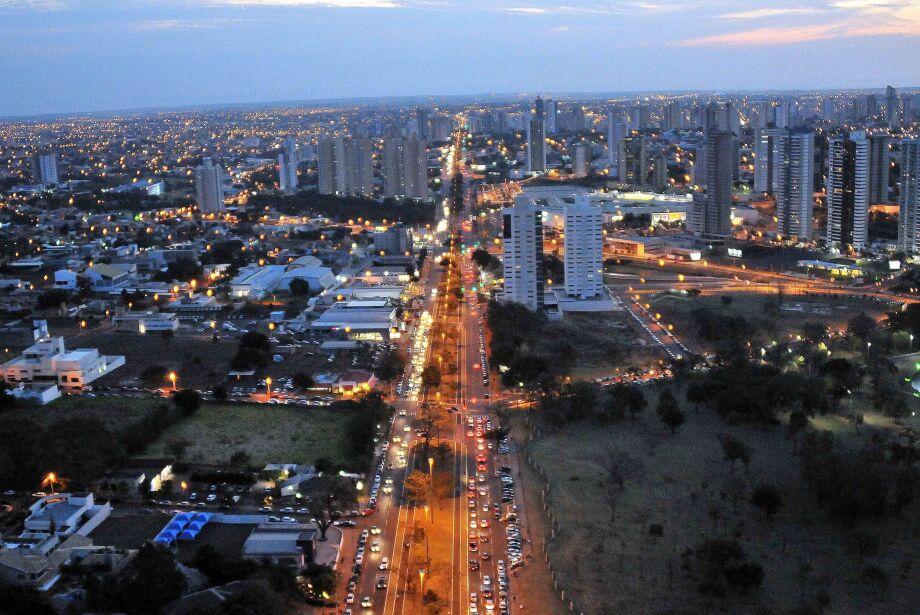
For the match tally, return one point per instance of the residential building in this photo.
(633, 160)
(287, 166)
(711, 213)
(285, 544)
(794, 172)
(359, 170)
(536, 139)
(616, 132)
(892, 108)
(522, 234)
(763, 159)
(405, 168)
(582, 159)
(584, 242)
(395, 240)
(209, 186)
(44, 169)
(909, 226)
(326, 165)
(879, 168)
(47, 361)
(848, 191)
(551, 115)
(660, 179)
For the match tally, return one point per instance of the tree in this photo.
(767, 498)
(844, 376)
(734, 450)
(861, 326)
(417, 487)
(149, 582)
(432, 420)
(299, 287)
(431, 376)
(154, 375)
(669, 411)
(177, 448)
(391, 364)
(187, 401)
(303, 381)
(625, 398)
(618, 466)
(240, 459)
(327, 497)
(256, 598)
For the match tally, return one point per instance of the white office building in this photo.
(522, 234)
(287, 166)
(47, 361)
(584, 256)
(794, 172)
(909, 227)
(209, 186)
(848, 191)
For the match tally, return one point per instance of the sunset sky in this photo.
(80, 55)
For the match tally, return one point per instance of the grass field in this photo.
(116, 413)
(269, 434)
(614, 566)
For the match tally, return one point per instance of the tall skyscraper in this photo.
(345, 166)
(909, 226)
(711, 212)
(660, 171)
(44, 169)
(421, 122)
(209, 186)
(551, 116)
(326, 163)
(582, 159)
(672, 117)
(359, 170)
(633, 160)
(892, 108)
(616, 132)
(536, 139)
(794, 164)
(405, 168)
(287, 166)
(584, 255)
(848, 191)
(879, 168)
(763, 159)
(522, 234)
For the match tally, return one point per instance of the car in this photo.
(382, 583)
(385, 563)
(359, 559)
(375, 547)
(289, 519)
(265, 509)
(274, 519)
(474, 565)
(303, 511)
(485, 557)
(350, 598)
(366, 602)
(474, 546)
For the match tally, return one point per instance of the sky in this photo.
(62, 56)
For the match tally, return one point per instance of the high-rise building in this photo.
(909, 222)
(287, 166)
(660, 171)
(763, 159)
(892, 108)
(582, 159)
(794, 170)
(672, 117)
(711, 212)
(536, 139)
(327, 161)
(522, 234)
(879, 168)
(633, 160)
(359, 169)
(405, 168)
(616, 132)
(551, 116)
(848, 191)
(345, 166)
(44, 169)
(209, 186)
(584, 255)
(421, 122)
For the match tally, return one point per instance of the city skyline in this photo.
(212, 52)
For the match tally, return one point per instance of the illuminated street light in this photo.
(173, 378)
(268, 387)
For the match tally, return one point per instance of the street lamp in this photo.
(268, 387)
(173, 378)
(421, 577)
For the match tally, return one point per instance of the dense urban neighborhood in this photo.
(543, 353)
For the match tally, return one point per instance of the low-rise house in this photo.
(146, 322)
(285, 544)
